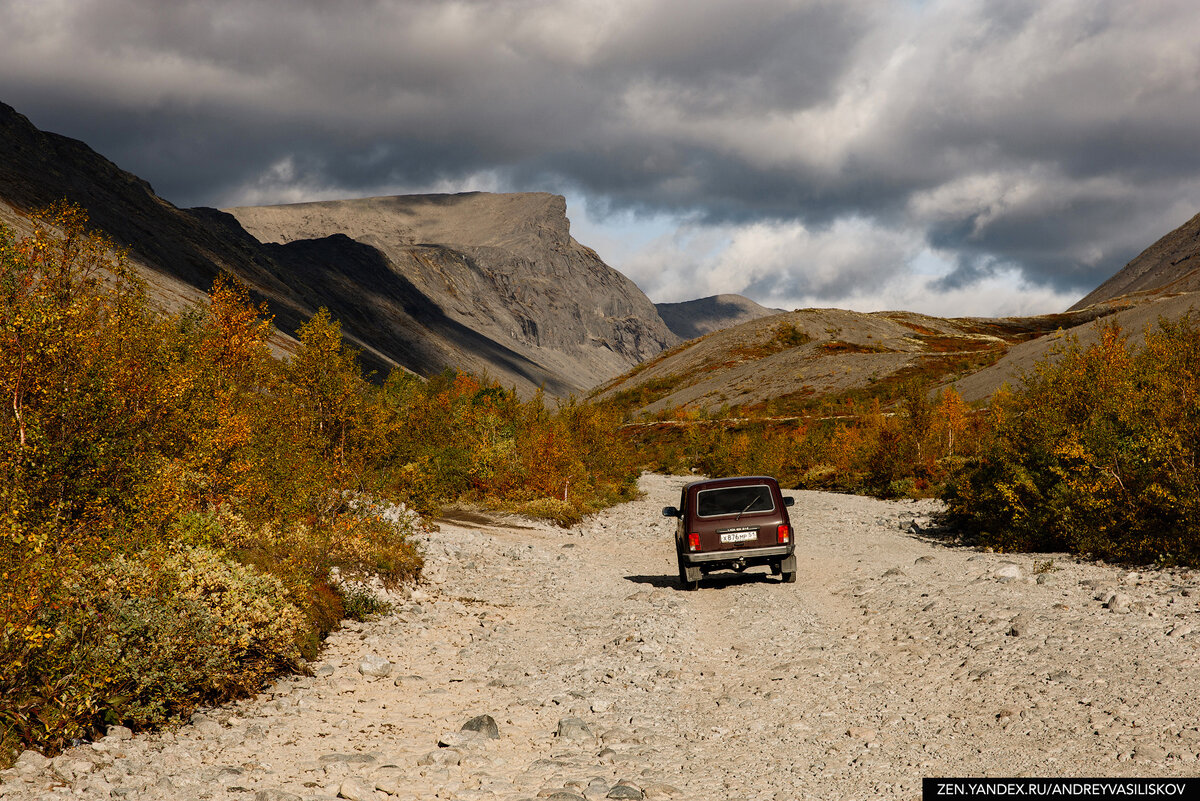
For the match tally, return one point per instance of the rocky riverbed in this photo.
(893, 657)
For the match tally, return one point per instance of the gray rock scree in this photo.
(892, 658)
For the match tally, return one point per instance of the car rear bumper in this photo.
(747, 555)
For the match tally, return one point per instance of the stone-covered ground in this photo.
(892, 658)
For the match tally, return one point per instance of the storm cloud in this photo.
(1002, 156)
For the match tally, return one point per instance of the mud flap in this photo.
(788, 565)
(691, 573)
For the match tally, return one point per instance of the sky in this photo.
(952, 157)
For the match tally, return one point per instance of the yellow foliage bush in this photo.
(1097, 452)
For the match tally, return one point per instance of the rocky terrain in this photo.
(896, 655)
(693, 318)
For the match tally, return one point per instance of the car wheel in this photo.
(776, 568)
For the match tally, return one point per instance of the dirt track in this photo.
(890, 659)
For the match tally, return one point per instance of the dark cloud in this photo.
(1050, 138)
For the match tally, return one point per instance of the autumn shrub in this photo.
(138, 639)
(907, 450)
(460, 437)
(172, 499)
(1096, 452)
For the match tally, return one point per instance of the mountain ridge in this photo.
(395, 321)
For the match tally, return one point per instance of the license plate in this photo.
(739, 536)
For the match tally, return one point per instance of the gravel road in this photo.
(893, 657)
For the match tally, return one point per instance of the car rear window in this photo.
(734, 500)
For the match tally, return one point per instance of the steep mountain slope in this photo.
(1170, 265)
(693, 318)
(512, 280)
(178, 252)
(503, 266)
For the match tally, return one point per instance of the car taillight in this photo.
(782, 535)
(693, 541)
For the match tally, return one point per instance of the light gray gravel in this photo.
(893, 657)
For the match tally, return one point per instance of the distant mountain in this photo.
(694, 318)
(487, 283)
(496, 267)
(1170, 265)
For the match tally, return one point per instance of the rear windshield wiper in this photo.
(757, 498)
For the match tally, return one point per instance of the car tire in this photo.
(776, 568)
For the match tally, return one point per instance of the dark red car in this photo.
(733, 524)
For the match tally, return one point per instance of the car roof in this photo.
(730, 481)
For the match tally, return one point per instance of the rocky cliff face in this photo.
(486, 283)
(502, 265)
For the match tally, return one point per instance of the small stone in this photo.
(1008, 572)
(356, 789)
(273, 794)
(618, 734)
(120, 733)
(31, 762)
(461, 739)
(323, 671)
(653, 792)
(1018, 626)
(1149, 752)
(442, 756)
(625, 791)
(607, 756)
(1180, 630)
(1118, 602)
(483, 724)
(388, 784)
(862, 733)
(374, 666)
(573, 729)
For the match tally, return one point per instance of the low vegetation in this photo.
(907, 450)
(174, 501)
(1098, 452)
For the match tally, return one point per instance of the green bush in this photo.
(1098, 452)
(140, 639)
